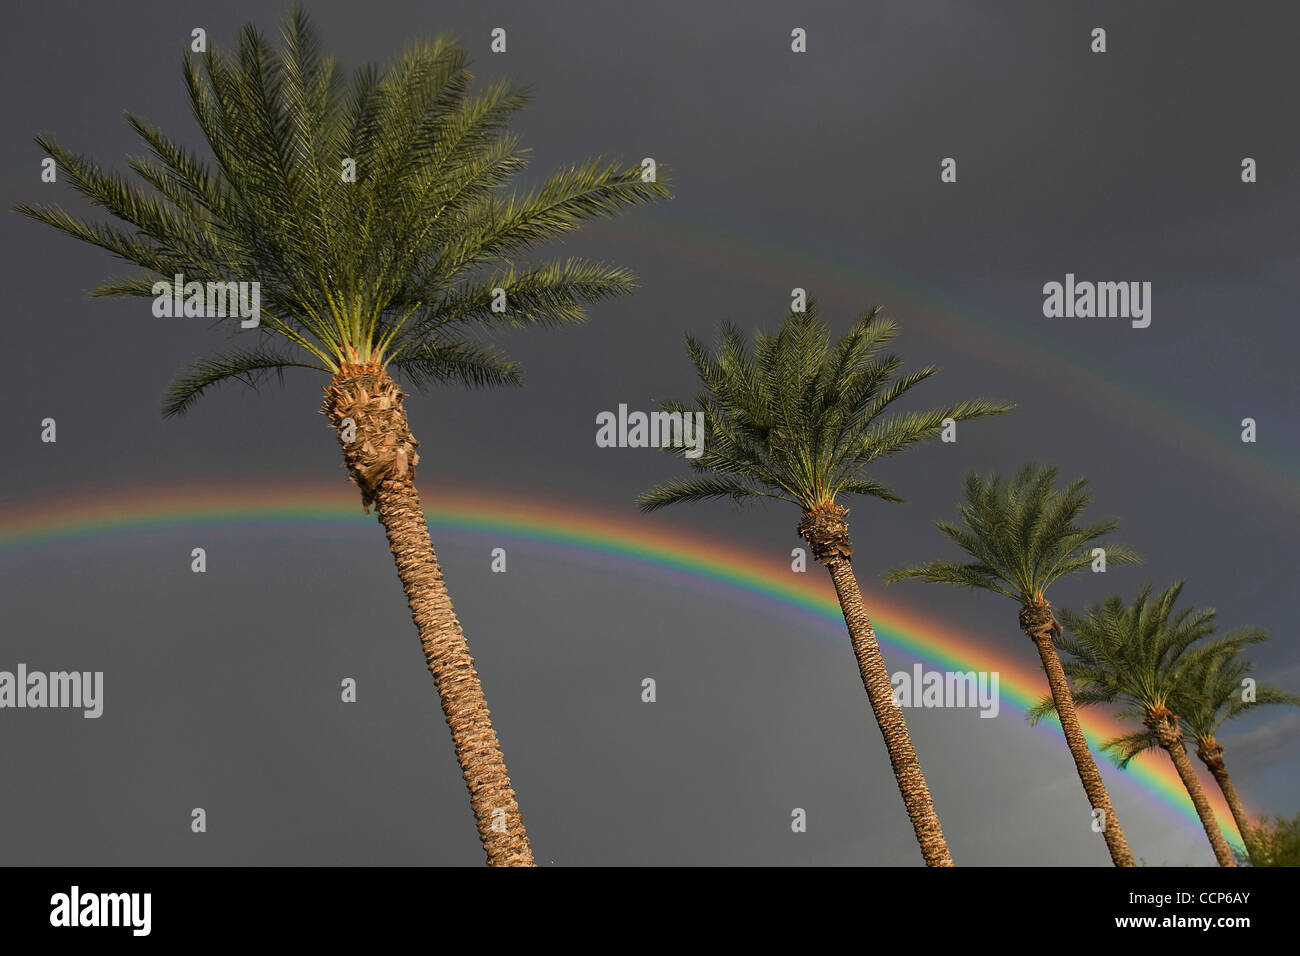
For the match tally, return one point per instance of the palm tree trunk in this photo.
(1040, 630)
(902, 756)
(381, 459)
(1211, 755)
(1178, 754)
(827, 532)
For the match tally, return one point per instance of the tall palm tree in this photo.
(1213, 694)
(1024, 536)
(1141, 657)
(375, 216)
(799, 420)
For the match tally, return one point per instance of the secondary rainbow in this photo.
(648, 542)
(1183, 422)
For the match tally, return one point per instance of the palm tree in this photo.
(1023, 537)
(1142, 657)
(1215, 693)
(799, 420)
(374, 215)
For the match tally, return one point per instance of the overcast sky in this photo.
(819, 170)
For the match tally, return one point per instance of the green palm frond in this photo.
(495, 227)
(792, 415)
(1023, 535)
(1142, 655)
(466, 363)
(867, 488)
(375, 210)
(1046, 707)
(1082, 696)
(550, 294)
(247, 366)
(1215, 691)
(1123, 749)
(950, 572)
(892, 435)
(701, 489)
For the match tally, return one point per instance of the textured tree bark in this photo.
(902, 756)
(1211, 754)
(1165, 724)
(1040, 624)
(827, 533)
(381, 459)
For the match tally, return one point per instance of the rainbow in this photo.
(636, 540)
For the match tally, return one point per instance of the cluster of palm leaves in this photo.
(394, 267)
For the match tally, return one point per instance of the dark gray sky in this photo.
(818, 170)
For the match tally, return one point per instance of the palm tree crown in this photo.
(1215, 693)
(799, 419)
(390, 266)
(1209, 696)
(1141, 656)
(1023, 535)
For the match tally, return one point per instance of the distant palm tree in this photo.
(800, 420)
(1142, 657)
(1215, 693)
(1024, 536)
(373, 217)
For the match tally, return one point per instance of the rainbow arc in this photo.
(632, 540)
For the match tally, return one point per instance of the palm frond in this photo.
(1124, 748)
(699, 489)
(465, 363)
(949, 572)
(246, 366)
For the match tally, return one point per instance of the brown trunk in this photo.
(1211, 755)
(1037, 620)
(381, 460)
(1168, 732)
(827, 534)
